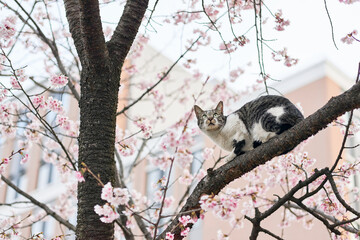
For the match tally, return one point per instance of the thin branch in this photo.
(39, 204)
(160, 80)
(331, 24)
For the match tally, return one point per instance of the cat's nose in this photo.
(210, 121)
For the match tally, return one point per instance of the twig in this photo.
(39, 204)
(331, 24)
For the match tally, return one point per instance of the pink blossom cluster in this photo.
(348, 1)
(205, 39)
(20, 75)
(232, 46)
(38, 101)
(162, 162)
(79, 176)
(186, 178)
(65, 205)
(11, 225)
(33, 129)
(138, 46)
(235, 74)
(207, 153)
(114, 198)
(3, 93)
(7, 31)
(5, 161)
(221, 235)
(350, 37)
(125, 144)
(58, 81)
(146, 129)
(169, 236)
(342, 122)
(15, 83)
(107, 212)
(282, 55)
(184, 221)
(54, 105)
(221, 205)
(183, 17)
(221, 91)
(71, 127)
(212, 11)
(158, 101)
(183, 157)
(280, 21)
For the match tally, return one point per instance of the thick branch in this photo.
(72, 9)
(219, 178)
(95, 51)
(126, 30)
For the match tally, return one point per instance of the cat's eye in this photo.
(204, 115)
(215, 114)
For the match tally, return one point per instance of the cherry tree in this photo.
(70, 49)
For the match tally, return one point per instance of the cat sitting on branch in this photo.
(251, 125)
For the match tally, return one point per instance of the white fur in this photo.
(276, 112)
(234, 129)
(259, 134)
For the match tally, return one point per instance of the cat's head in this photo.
(210, 120)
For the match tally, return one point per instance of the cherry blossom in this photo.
(79, 176)
(185, 232)
(109, 214)
(169, 236)
(185, 220)
(186, 178)
(54, 105)
(58, 81)
(282, 55)
(145, 127)
(280, 21)
(221, 235)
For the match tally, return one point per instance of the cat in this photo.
(251, 125)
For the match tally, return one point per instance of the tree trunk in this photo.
(100, 80)
(98, 105)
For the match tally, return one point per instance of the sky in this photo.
(308, 38)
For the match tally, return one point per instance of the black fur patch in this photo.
(283, 128)
(238, 147)
(256, 144)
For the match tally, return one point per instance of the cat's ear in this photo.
(198, 111)
(219, 108)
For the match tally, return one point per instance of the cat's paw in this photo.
(230, 157)
(256, 144)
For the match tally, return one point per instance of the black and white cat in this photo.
(254, 123)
